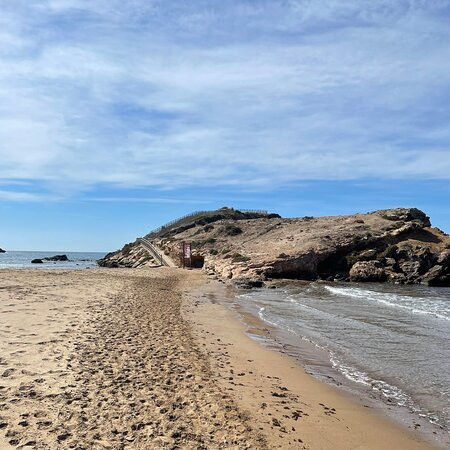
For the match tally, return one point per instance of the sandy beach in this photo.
(141, 359)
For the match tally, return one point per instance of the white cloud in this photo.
(167, 200)
(23, 196)
(169, 94)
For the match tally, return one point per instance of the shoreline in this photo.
(318, 362)
(247, 334)
(145, 358)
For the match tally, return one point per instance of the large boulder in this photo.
(439, 274)
(367, 271)
(2, 251)
(411, 269)
(436, 277)
(37, 261)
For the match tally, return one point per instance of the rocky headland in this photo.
(2, 251)
(251, 248)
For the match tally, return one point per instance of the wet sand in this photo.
(137, 359)
(290, 407)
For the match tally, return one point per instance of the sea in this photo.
(384, 341)
(22, 259)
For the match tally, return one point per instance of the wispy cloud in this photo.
(156, 200)
(17, 196)
(168, 94)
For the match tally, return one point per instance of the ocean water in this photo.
(392, 340)
(22, 259)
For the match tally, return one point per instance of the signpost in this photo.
(186, 254)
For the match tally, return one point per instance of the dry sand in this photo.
(97, 359)
(102, 359)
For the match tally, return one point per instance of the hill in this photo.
(395, 245)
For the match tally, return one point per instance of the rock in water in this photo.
(56, 258)
(2, 251)
(37, 261)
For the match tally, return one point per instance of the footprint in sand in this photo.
(8, 372)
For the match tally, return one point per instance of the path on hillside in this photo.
(156, 253)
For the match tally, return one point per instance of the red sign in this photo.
(187, 250)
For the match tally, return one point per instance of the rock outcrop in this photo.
(2, 251)
(37, 261)
(395, 245)
(131, 255)
(367, 271)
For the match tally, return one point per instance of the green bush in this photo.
(237, 257)
(127, 249)
(389, 252)
(231, 230)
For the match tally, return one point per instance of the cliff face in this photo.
(395, 245)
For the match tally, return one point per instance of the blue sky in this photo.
(118, 116)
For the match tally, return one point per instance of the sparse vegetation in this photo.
(237, 257)
(197, 244)
(388, 252)
(213, 251)
(231, 230)
(351, 259)
(127, 249)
